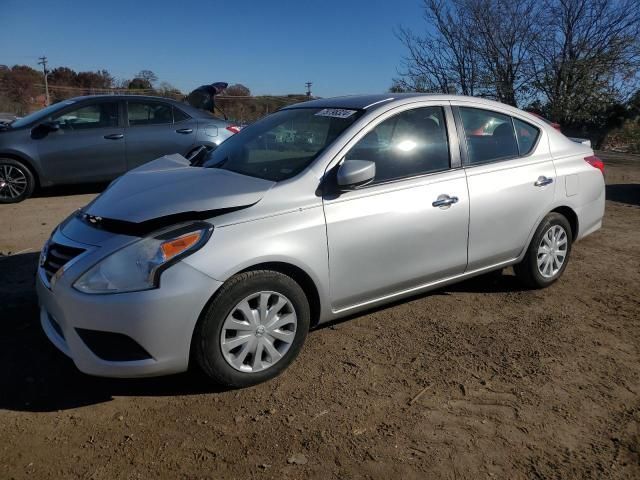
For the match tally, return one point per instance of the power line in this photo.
(308, 84)
(43, 62)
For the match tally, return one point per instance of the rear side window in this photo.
(179, 115)
(149, 113)
(411, 143)
(489, 135)
(527, 136)
(99, 115)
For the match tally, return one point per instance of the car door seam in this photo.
(466, 182)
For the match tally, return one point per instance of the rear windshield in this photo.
(283, 144)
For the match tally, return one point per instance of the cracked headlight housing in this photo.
(138, 266)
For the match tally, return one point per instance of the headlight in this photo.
(138, 266)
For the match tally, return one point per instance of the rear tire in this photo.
(16, 181)
(236, 343)
(548, 253)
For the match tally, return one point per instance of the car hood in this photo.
(170, 188)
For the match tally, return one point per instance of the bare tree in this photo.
(501, 34)
(148, 76)
(588, 57)
(168, 90)
(441, 60)
(473, 47)
(139, 84)
(21, 84)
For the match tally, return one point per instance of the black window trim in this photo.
(462, 136)
(144, 100)
(173, 115)
(515, 131)
(452, 142)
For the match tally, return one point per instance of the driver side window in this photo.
(99, 115)
(408, 144)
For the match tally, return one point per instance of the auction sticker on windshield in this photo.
(335, 112)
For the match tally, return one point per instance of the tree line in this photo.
(23, 85)
(22, 90)
(574, 61)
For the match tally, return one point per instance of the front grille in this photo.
(57, 256)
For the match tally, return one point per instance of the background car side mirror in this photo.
(355, 173)
(50, 126)
(43, 129)
(198, 156)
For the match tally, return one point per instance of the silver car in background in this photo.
(320, 210)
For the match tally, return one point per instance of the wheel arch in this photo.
(26, 161)
(566, 211)
(296, 273)
(572, 218)
(301, 277)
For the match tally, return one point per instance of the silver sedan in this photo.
(320, 210)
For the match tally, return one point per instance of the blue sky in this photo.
(272, 47)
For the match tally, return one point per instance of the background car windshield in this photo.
(283, 144)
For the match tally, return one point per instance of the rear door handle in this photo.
(185, 131)
(542, 181)
(114, 136)
(445, 201)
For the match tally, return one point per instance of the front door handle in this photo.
(542, 181)
(445, 201)
(185, 131)
(114, 136)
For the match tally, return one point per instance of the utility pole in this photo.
(43, 62)
(308, 84)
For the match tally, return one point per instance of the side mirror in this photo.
(43, 129)
(50, 126)
(198, 156)
(355, 173)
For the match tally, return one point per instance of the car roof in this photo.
(192, 111)
(371, 102)
(357, 102)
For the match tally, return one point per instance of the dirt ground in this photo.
(478, 380)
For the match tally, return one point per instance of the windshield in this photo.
(283, 144)
(40, 114)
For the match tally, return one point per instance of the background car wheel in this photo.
(548, 252)
(16, 181)
(253, 328)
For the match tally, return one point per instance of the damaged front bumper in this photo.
(130, 334)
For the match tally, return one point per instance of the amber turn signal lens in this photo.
(174, 247)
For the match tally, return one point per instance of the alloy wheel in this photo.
(258, 332)
(13, 182)
(552, 251)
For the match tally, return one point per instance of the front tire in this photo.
(16, 181)
(548, 253)
(253, 329)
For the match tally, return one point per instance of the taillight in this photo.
(595, 162)
(233, 128)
